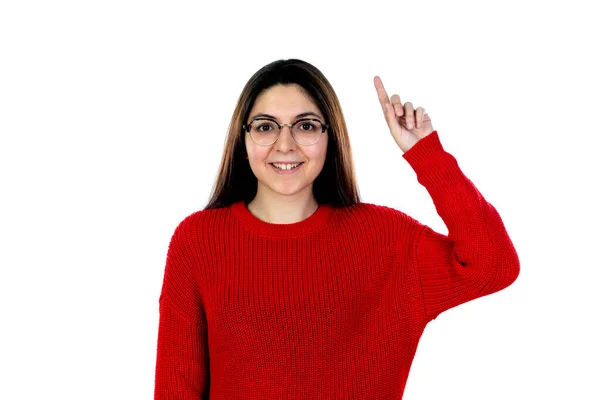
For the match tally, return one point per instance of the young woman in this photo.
(286, 285)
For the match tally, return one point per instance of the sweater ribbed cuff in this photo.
(436, 169)
(421, 152)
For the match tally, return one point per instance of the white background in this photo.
(113, 117)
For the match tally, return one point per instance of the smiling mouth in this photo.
(286, 166)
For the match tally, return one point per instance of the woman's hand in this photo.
(406, 125)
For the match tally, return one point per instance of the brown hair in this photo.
(335, 185)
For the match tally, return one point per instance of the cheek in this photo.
(321, 153)
(256, 157)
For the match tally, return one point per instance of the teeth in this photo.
(286, 166)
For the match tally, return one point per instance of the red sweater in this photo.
(331, 307)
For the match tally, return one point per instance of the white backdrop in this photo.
(113, 117)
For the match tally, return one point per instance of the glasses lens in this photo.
(307, 132)
(263, 132)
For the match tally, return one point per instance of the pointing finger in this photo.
(381, 93)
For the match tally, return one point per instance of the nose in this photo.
(285, 139)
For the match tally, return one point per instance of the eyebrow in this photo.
(304, 114)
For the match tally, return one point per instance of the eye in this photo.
(263, 126)
(307, 125)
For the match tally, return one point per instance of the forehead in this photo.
(284, 101)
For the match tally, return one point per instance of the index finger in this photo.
(384, 99)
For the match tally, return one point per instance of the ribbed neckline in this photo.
(302, 228)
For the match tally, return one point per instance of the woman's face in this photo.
(285, 103)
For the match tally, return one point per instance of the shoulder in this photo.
(379, 217)
(370, 210)
(198, 223)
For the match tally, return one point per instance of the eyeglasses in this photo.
(265, 132)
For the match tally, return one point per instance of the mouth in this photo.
(286, 168)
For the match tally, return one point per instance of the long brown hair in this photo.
(335, 185)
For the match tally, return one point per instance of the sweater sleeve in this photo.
(182, 367)
(477, 257)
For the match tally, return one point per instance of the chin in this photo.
(289, 191)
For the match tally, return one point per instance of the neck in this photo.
(283, 209)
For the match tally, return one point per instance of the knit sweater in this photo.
(331, 307)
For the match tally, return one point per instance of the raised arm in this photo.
(477, 257)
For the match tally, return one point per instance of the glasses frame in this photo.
(246, 128)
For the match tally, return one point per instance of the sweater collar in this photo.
(262, 228)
